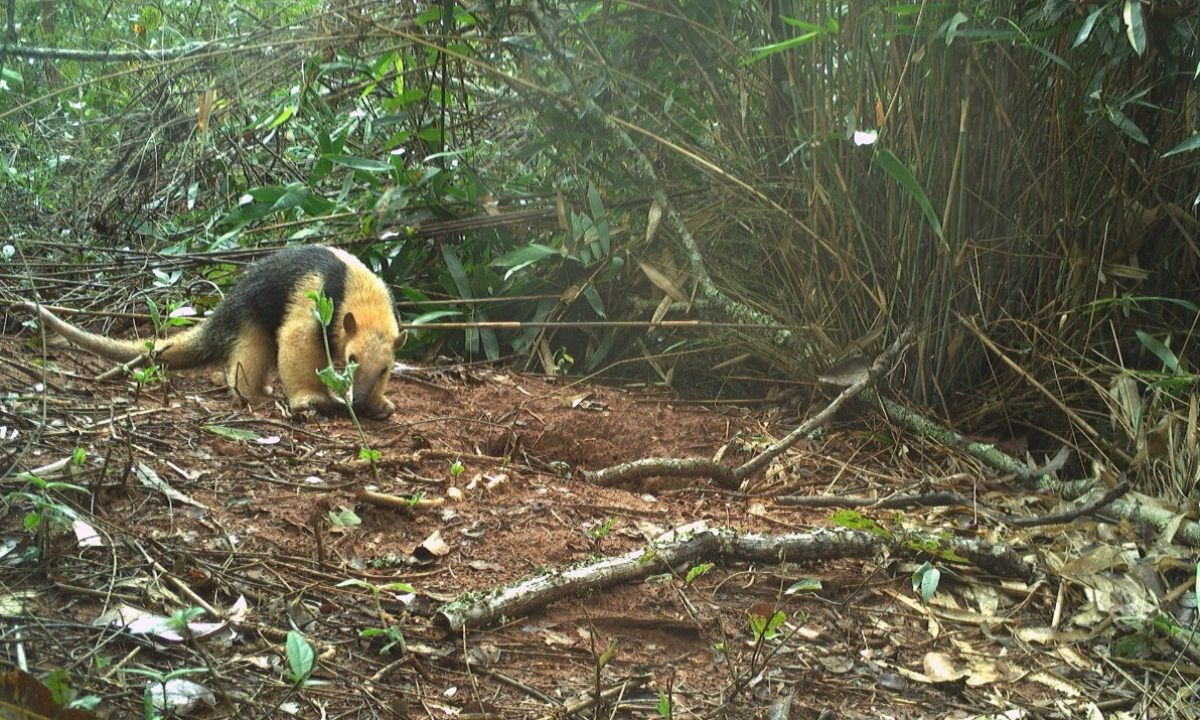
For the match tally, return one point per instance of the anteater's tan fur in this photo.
(266, 320)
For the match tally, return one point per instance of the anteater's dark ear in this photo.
(349, 324)
(399, 342)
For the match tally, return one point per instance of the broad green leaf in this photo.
(594, 300)
(1086, 29)
(1135, 25)
(1161, 351)
(458, 273)
(901, 174)
(952, 27)
(358, 163)
(1190, 144)
(12, 76)
(231, 433)
(766, 51)
(599, 218)
(434, 316)
(282, 116)
(523, 257)
(301, 658)
(703, 568)
(345, 517)
(1127, 126)
(804, 585)
(925, 581)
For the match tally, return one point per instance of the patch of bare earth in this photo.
(257, 529)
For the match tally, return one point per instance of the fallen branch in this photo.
(687, 546)
(731, 478)
(944, 498)
(987, 454)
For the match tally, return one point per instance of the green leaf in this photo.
(804, 585)
(231, 433)
(952, 27)
(664, 705)
(1086, 29)
(358, 163)
(521, 258)
(703, 568)
(764, 628)
(300, 656)
(285, 113)
(1135, 25)
(608, 654)
(60, 687)
(1190, 144)
(344, 518)
(594, 300)
(458, 273)
(925, 580)
(339, 382)
(434, 316)
(12, 75)
(1161, 351)
(1118, 118)
(599, 218)
(322, 310)
(901, 174)
(766, 51)
(852, 520)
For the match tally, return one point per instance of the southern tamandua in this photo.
(266, 320)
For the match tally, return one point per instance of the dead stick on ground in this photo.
(732, 477)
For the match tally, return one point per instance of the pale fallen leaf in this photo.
(86, 535)
(847, 372)
(836, 664)
(662, 282)
(435, 545)
(653, 217)
(146, 475)
(179, 695)
(939, 667)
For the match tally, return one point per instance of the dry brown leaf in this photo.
(24, 697)
(653, 217)
(662, 282)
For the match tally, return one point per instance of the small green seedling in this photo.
(602, 530)
(344, 517)
(389, 632)
(49, 513)
(340, 382)
(65, 694)
(766, 628)
(180, 618)
(159, 679)
(301, 658)
(925, 581)
(457, 468)
(664, 706)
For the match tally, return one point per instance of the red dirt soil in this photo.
(253, 520)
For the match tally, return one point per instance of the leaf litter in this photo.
(483, 492)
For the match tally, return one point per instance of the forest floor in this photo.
(190, 502)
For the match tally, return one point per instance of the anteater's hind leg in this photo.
(250, 360)
(301, 355)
